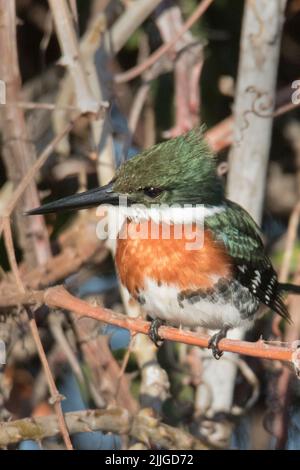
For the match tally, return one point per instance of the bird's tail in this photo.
(291, 288)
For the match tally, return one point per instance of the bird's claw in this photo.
(153, 332)
(213, 345)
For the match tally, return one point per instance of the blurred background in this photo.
(94, 82)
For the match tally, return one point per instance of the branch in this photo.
(50, 106)
(143, 427)
(187, 70)
(254, 103)
(139, 69)
(103, 368)
(55, 396)
(59, 297)
(66, 36)
(18, 150)
(281, 416)
(31, 173)
(220, 136)
(106, 44)
(127, 23)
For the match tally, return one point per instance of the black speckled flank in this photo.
(224, 291)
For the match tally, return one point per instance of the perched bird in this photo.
(220, 284)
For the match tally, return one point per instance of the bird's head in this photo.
(179, 171)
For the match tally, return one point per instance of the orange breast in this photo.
(168, 261)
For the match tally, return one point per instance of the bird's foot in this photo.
(153, 332)
(214, 342)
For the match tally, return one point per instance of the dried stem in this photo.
(55, 396)
(104, 370)
(124, 364)
(55, 324)
(142, 426)
(188, 64)
(49, 106)
(31, 172)
(127, 23)
(18, 148)
(139, 69)
(71, 56)
(289, 244)
(281, 418)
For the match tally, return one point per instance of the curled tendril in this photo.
(261, 104)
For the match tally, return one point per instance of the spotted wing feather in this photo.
(242, 238)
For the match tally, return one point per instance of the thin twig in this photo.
(290, 242)
(71, 56)
(287, 257)
(220, 136)
(127, 23)
(139, 69)
(137, 106)
(31, 173)
(49, 106)
(18, 150)
(55, 396)
(285, 108)
(125, 363)
(55, 324)
(281, 417)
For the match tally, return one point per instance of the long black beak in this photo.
(91, 198)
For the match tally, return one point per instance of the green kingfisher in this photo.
(220, 284)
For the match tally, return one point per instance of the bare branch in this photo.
(143, 427)
(139, 69)
(18, 149)
(58, 297)
(260, 46)
(127, 23)
(71, 56)
(55, 396)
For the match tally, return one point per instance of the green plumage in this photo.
(184, 168)
(240, 234)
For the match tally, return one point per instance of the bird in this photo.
(224, 281)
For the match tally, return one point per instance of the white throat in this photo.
(168, 214)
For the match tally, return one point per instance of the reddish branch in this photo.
(220, 136)
(58, 297)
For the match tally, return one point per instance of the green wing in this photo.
(240, 234)
(236, 229)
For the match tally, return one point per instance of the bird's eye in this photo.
(152, 192)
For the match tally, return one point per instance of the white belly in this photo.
(161, 301)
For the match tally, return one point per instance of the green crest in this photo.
(179, 171)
